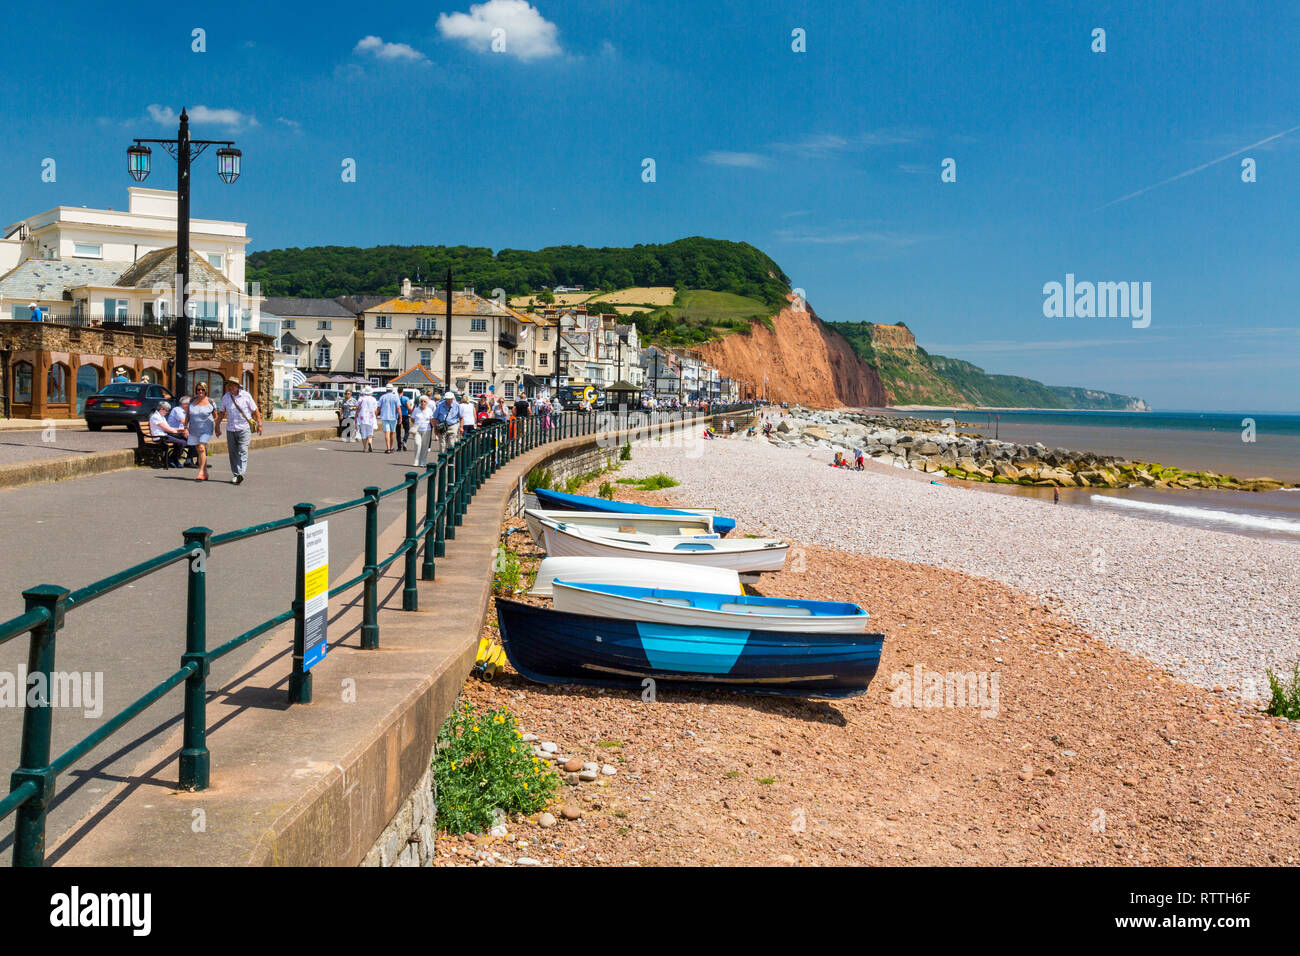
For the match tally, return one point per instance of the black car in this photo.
(125, 403)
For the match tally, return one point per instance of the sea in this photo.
(1241, 444)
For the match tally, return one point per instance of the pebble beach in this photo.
(1126, 729)
(1214, 608)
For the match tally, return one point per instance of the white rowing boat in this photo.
(692, 608)
(635, 572)
(743, 554)
(635, 523)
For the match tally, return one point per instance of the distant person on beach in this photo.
(1056, 495)
(860, 462)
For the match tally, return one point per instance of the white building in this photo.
(71, 261)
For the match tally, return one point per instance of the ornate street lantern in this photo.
(137, 162)
(228, 164)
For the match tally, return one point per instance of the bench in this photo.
(151, 449)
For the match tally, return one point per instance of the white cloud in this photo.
(890, 239)
(381, 50)
(231, 119)
(724, 158)
(526, 34)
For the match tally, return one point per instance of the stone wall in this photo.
(408, 838)
(44, 343)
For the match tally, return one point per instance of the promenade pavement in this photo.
(74, 438)
(72, 533)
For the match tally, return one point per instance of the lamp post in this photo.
(184, 150)
(446, 337)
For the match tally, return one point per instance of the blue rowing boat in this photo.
(557, 647)
(567, 502)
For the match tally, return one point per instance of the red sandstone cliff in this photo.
(803, 361)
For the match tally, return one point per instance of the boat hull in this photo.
(634, 571)
(696, 608)
(554, 647)
(642, 522)
(562, 501)
(560, 542)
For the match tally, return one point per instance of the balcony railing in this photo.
(507, 340)
(200, 329)
(423, 335)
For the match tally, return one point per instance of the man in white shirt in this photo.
(239, 412)
(175, 437)
(180, 418)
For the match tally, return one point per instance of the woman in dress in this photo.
(200, 427)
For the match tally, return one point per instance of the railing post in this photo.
(461, 451)
(195, 761)
(34, 760)
(430, 521)
(300, 679)
(370, 605)
(446, 490)
(410, 593)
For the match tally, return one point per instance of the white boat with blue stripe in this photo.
(695, 609)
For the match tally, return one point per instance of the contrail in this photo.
(1195, 169)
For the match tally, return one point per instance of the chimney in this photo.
(406, 288)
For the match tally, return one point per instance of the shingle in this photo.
(306, 308)
(50, 278)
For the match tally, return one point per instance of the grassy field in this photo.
(698, 315)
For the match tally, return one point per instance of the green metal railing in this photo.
(450, 483)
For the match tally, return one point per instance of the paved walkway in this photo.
(73, 438)
(72, 533)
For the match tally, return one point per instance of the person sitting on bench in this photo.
(164, 431)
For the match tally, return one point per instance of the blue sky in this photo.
(828, 160)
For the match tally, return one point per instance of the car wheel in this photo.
(94, 426)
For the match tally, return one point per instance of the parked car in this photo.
(125, 403)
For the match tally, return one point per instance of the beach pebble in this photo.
(609, 770)
(498, 831)
(549, 747)
(526, 861)
(546, 820)
(573, 765)
(588, 774)
(571, 811)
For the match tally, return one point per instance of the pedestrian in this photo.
(366, 419)
(1056, 495)
(163, 430)
(468, 416)
(180, 418)
(348, 416)
(404, 430)
(37, 314)
(241, 416)
(446, 420)
(420, 433)
(389, 412)
(200, 427)
(499, 412)
(521, 407)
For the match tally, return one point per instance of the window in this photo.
(56, 385)
(384, 356)
(478, 325)
(479, 357)
(115, 309)
(214, 260)
(149, 375)
(510, 389)
(22, 383)
(322, 356)
(425, 323)
(477, 388)
(248, 382)
(324, 325)
(383, 321)
(209, 378)
(543, 359)
(519, 359)
(87, 250)
(17, 312)
(288, 323)
(426, 358)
